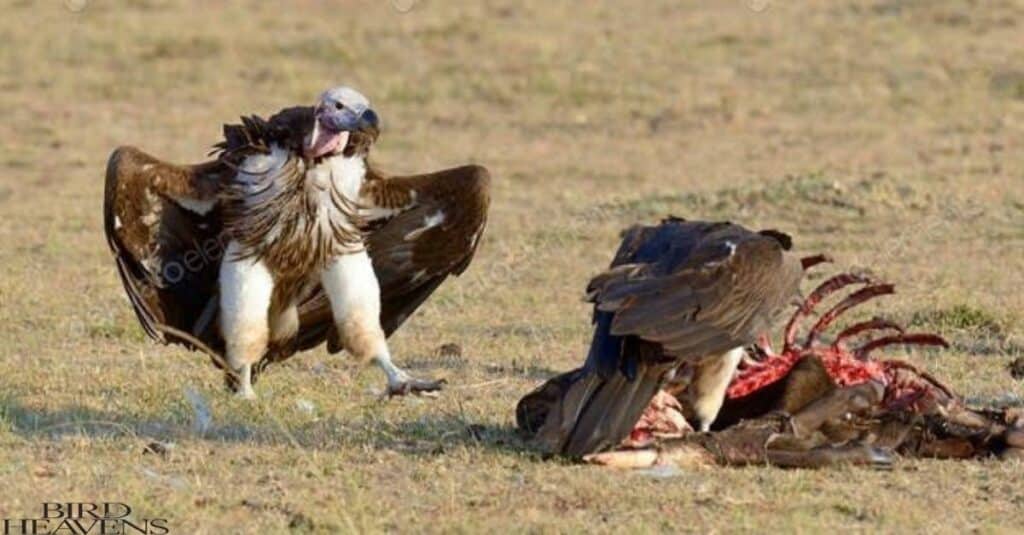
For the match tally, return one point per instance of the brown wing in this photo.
(419, 248)
(414, 251)
(163, 226)
(698, 289)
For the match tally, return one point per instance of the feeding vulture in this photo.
(678, 293)
(288, 238)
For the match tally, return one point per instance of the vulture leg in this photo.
(711, 379)
(352, 289)
(246, 290)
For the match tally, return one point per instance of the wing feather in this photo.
(163, 226)
(717, 295)
(420, 247)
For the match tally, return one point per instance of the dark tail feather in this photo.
(579, 413)
(532, 411)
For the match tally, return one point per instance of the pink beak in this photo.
(322, 142)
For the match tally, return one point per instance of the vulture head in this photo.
(343, 123)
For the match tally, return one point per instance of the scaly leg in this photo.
(245, 291)
(352, 288)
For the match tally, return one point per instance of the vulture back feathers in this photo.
(676, 292)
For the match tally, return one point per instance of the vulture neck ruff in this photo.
(296, 215)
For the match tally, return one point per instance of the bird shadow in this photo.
(441, 434)
(75, 420)
(422, 436)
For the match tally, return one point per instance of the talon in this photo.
(415, 386)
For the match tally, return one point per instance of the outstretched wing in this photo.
(437, 236)
(432, 232)
(163, 225)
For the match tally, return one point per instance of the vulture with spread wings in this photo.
(678, 293)
(287, 239)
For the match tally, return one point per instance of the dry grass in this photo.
(888, 133)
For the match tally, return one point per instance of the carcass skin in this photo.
(802, 440)
(847, 425)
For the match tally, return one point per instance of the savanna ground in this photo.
(885, 132)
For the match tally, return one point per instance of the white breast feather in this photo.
(333, 177)
(331, 188)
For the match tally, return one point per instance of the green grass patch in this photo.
(960, 317)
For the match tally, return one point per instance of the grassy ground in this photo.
(886, 132)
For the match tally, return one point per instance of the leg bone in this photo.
(823, 290)
(860, 296)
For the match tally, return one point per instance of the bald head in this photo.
(340, 112)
